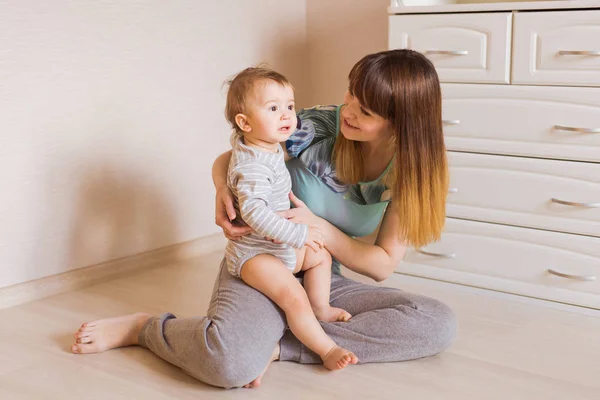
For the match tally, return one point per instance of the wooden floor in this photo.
(506, 348)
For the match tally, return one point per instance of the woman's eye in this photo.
(273, 108)
(365, 112)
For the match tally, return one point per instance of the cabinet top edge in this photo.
(500, 6)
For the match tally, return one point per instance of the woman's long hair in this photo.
(402, 86)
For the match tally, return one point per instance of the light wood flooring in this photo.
(507, 347)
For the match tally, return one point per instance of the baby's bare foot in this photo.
(331, 314)
(109, 333)
(256, 382)
(339, 358)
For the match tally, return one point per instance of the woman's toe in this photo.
(81, 335)
(83, 348)
(83, 340)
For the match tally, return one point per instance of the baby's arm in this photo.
(254, 183)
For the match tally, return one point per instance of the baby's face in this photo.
(271, 112)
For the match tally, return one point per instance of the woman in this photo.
(374, 167)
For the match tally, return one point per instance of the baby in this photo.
(260, 108)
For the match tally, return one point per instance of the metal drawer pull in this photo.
(576, 277)
(451, 121)
(448, 52)
(575, 204)
(453, 190)
(440, 255)
(574, 129)
(579, 52)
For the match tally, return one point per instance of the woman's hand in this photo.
(225, 214)
(301, 214)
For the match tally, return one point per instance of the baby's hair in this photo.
(242, 84)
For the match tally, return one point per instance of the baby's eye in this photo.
(291, 107)
(273, 108)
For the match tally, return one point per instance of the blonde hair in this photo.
(402, 86)
(242, 84)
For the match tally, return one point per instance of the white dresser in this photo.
(521, 109)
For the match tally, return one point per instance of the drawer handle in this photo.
(440, 255)
(453, 190)
(576, 277)
(574, 129)
(579, 52)
(574, 203)
(448, 52)
(451, 121)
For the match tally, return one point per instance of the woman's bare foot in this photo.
(331, 314)
(339, 358)
(275, 356)
(109, 333)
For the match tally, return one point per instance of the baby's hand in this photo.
(315, 239)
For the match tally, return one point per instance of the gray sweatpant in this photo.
(233, 343)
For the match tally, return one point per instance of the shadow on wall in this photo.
(287, 54)
(121, 213)
(118, 213)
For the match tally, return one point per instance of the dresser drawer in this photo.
(548, 194)
(550, 122)
(557, 48)
(513, 260)
(463, 47)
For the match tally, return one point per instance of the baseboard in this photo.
(72, 280)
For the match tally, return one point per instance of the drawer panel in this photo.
(557, 48)
(513, 260)
(520, 191)
(523, 120)
(463, 47)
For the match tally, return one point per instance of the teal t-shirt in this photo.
(356, 209)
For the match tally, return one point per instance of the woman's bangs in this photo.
(368, 86)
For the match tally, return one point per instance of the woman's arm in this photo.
(219, 170)
(377, 261)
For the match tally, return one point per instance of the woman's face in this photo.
(360, 124)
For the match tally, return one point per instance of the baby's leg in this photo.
(317, 282)
(268, 275)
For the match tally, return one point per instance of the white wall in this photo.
(341, 32)
(111, 113)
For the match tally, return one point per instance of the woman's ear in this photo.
(242, 122)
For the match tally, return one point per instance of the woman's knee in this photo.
(231, 355)
(229, 367)
(445, 324)
(436, 324)
(442, 323)
(230, 372)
